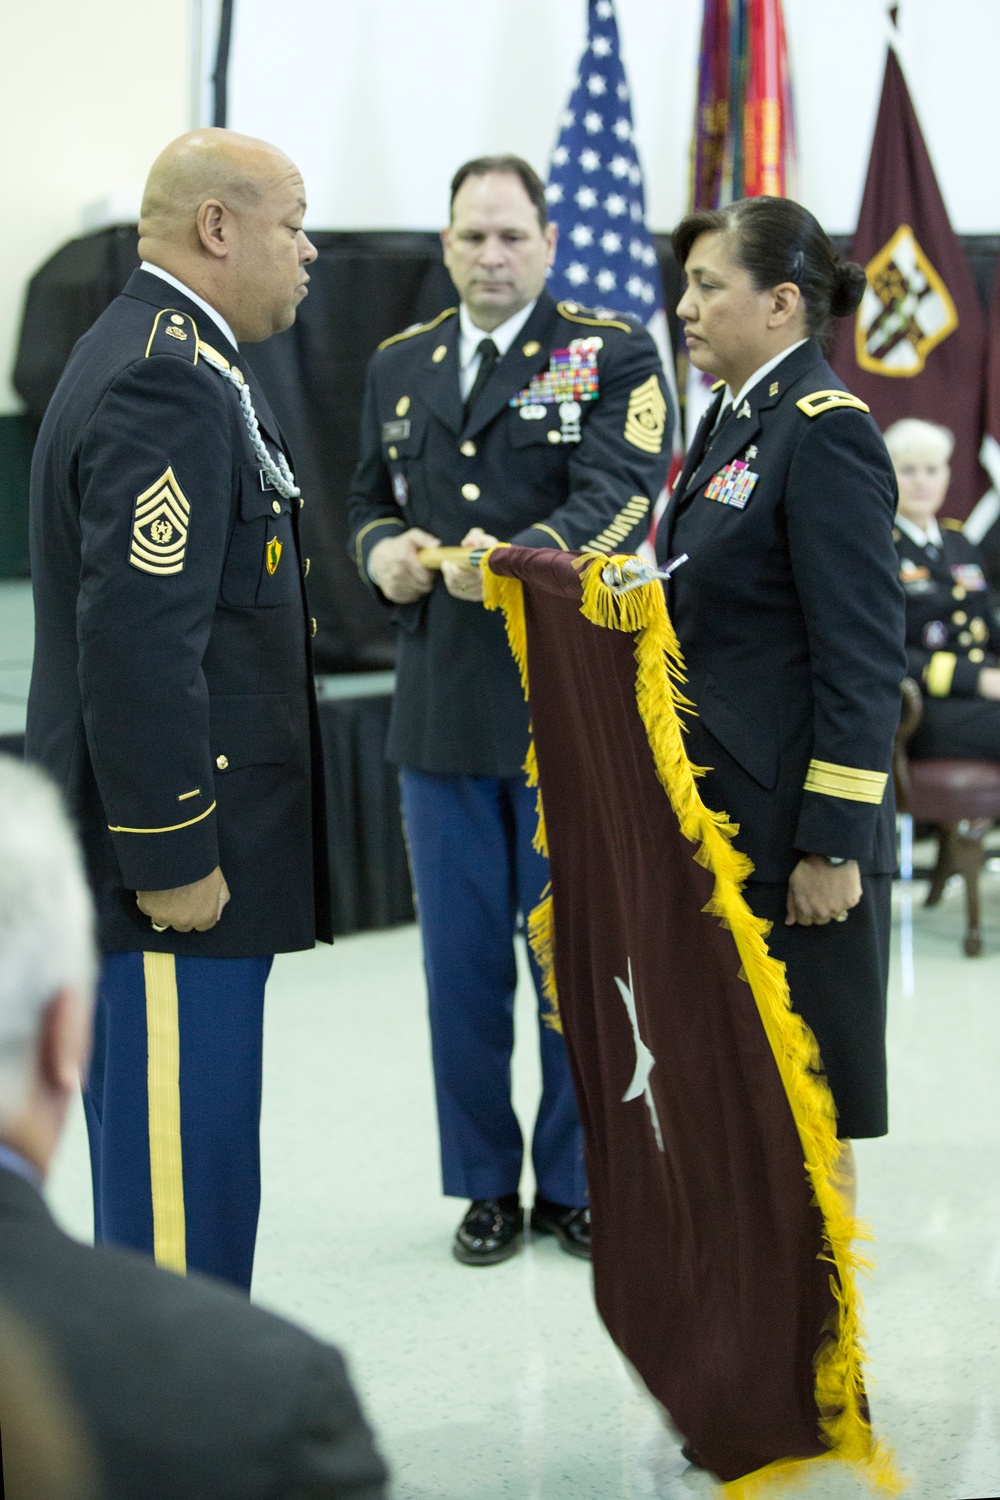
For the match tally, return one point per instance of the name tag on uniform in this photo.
(733, 485)
(395, 432)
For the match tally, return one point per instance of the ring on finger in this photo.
(157, 927)
(841, 917)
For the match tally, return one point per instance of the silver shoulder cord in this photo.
(279, 474)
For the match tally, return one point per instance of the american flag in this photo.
(605, 256)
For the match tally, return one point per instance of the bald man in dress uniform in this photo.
(172, 693)
(515, 418)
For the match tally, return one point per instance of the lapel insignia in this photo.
(531, 348)
(772, 389)
(751, 453)
(160, 527)
(646, 418)
(733, 485)
(439, 353)
(402, 406)
(273, 555)
(744, 410)
(570, 378)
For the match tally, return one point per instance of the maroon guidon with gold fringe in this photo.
(722, 1254)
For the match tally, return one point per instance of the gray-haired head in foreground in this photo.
(46, 920)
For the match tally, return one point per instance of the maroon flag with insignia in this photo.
(722, 1256)
(915, 347)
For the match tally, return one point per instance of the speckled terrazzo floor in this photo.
(500, 1383)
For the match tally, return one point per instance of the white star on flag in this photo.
(593, 123)
(600, 46)
(645, 1062)
(589, 161)
(597, 84)
(582, 235)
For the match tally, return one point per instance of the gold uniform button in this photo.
(555, 437)
(301, 502)
(393, 451)
(958, 592)
(959, 617)
(312, 626)
(402, 406)
(222, 762)
(976, 655)
(979, 628)
(531, 348)
(276, 507)
(470, 492)
(468, 448)
(965, 638)
(306, 565)
(439, 353)
(176, 319)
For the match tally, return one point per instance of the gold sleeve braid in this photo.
(849, 782)
(379, 521)
(625, 521)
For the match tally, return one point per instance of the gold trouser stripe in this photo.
(850, 782)
(172, 828)
(166, 1170)
(379, 521)
(940, 670)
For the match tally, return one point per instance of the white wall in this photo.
(91, 91)
(379, 100)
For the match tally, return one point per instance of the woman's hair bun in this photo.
(848, 289)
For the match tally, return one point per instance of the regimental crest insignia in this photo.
(646, 418)
(273, 555)
(906, 310)
(160, 527)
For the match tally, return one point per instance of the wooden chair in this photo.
(961, 798)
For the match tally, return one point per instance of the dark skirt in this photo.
(837, 978)
(958, 729)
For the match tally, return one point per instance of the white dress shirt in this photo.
(758, 375)
(216, 317)
(930, 538)
(470, 337)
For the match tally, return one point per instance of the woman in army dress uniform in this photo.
(790, 616)
(952, 635)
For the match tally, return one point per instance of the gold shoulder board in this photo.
(173, 332)
(950, 524)
(415, 328)
(821, 401)
(577, 314)
(718, 386)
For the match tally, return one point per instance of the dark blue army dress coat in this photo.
(567, 446)
(951, 634)
(790, 616)
(172, 693)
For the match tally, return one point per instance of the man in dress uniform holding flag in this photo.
(516, 418)
(172, 693)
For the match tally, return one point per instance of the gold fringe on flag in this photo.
(839, 1361)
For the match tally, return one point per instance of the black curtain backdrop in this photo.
(365, 286)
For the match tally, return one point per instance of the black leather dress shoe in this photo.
(571, 1226)
(492, 1231)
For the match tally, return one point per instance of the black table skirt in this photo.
(369, 872)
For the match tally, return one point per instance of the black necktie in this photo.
(488, 356)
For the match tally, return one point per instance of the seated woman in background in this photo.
(952, 633)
